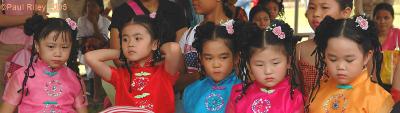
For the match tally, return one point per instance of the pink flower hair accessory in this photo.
(153, 15)
(362, 23)
(71, 23)
(229, 26)
(277, 30)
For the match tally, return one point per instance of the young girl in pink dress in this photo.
(269, 57)
(50, 82)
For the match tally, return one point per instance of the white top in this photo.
(85, 27)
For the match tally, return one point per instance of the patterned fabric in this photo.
(204, 96)
(364, 96)
(151, 87)
(309, 74)
(61, 92)
(125, 109)
(260, 100)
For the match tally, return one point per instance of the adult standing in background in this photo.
(14, 43)
(75, 9)
(366, 6)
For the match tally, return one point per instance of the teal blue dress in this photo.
(206, 96)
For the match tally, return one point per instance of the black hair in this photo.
(366, 38)
(257, 9)
(345, 3)
(225, 6)
(383, 6)
(99, 3)
(157, 32)
(40, 28)
(281, 11)
(256, 38)
(210, 31)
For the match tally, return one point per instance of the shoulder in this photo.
(195, 85)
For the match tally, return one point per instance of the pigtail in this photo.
(32, 27)
(321, 41)
(247, 35)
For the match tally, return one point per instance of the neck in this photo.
(151, 5)
(216, 16)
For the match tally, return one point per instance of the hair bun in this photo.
(34, 25)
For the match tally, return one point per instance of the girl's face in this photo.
(54, 49)
(345, 62)
(217, 59)
(318, 9)
(261, 19)
(137, 44)
(205, 6)
(384, 20)
(269, 66)
(274, 9)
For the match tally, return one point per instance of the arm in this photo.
(82, 110)
(180, 33)
(114, 43)
(96, 60)
(7, 108)
(173, 57)
(9, 21)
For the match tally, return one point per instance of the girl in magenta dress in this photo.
(267, 56)
(47, 84)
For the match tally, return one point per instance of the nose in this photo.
(57, 52)
(267, 70)
(341, 66)
(216, 64)
(316, 13)
(131, 43)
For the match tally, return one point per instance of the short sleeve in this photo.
(172, 78)
(11, 94)
(385, 106)
(115, 75)
(298, 102)
(80, 99)
(230, 107)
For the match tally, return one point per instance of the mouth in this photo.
(315, 23)
(269, 79)
(341, 76)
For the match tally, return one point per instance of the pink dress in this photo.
(16, 35)
(49, 91)
(390, 41)
(259, 100)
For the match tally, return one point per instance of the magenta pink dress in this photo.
(390, 41)
(50, 91)
(259, 100)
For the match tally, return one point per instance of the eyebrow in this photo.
(135, 34)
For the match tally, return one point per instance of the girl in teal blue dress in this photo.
(217, 54)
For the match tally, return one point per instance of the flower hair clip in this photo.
(277, 30)
(153, 15)
(71, 23)
(362, 23)
(229, 26)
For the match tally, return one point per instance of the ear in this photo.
(346, 12)
(367, 57)
(36, 47)
(236, 59)
(155, 45)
